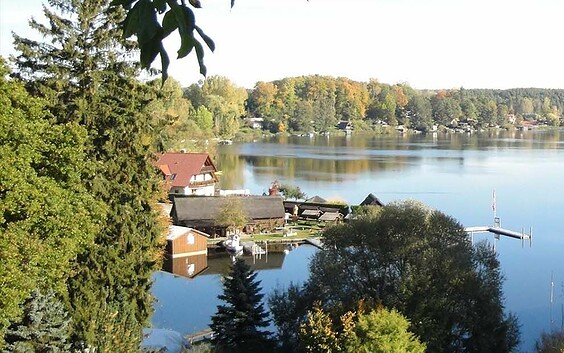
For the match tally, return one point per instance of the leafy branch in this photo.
(142, 20)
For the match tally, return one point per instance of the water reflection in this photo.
(217, 262)
(186, 304)
(336, 159)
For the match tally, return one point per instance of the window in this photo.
(173, 176)
(190, 239)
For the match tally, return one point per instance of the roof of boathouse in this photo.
(209, 207)
(371, 200)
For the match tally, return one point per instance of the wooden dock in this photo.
(498, 231)
(200, 336)
(315, 242)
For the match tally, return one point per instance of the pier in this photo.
(199, 336)
(498, 231)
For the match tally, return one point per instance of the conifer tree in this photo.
(45, 326)
(237, 323)
(81, 70)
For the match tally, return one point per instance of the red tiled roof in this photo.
(180, 167)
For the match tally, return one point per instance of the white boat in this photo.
(233, 244)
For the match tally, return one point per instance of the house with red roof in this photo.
(188, 173)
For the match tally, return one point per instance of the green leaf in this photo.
(200, 55)
(170, 24)
(149, 51)
(186, 23)
(131, 21)
(165, 61)
(196, 3)
(148, 26)
(160, 5)
(186, 45)
(119, 2)
(208, 40)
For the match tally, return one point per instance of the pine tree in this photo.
(237, 323)
(45, 326)
(81, 70)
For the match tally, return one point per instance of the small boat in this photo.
(233, 244)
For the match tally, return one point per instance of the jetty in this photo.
(315, 242)
(498, 231)
(200, 336)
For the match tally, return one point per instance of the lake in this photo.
(455, 173)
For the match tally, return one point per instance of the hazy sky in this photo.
(426, 43)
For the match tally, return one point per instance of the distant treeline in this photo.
(317, 103)
(216, 107)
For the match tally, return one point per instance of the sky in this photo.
(428, 44)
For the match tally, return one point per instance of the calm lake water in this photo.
(451, 172)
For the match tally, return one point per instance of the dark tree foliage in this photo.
(420, 262)
(142, 21)
(237, 323)
(82, 72)
(289, 308)
(44, 327)
(552, 342)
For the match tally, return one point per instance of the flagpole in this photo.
(494, 206)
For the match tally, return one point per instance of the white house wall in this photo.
(201, 191)
(201, 177)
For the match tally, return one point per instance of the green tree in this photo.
(303, 117)
(237, 324)
(445, 108)
(227, 103)
(289, 308)
(383, 331)
(324, 118)
(292, 192)
(170, 113)
(552, 342)
(44, 327)
(469, 111)
(203, 118)
(46, 215)
(109, 295)
(317, 334)
(419, 109)
(232, 215)
(420, 262)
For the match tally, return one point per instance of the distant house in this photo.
(315, 207)
(188, 173)
(345, 126)
(255, 123)
(263, 212)
(371, 200)
(186, 251)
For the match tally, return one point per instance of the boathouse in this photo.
(264, 213)
(186, 251)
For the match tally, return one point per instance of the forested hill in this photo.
(306, 104)
(321, 101)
